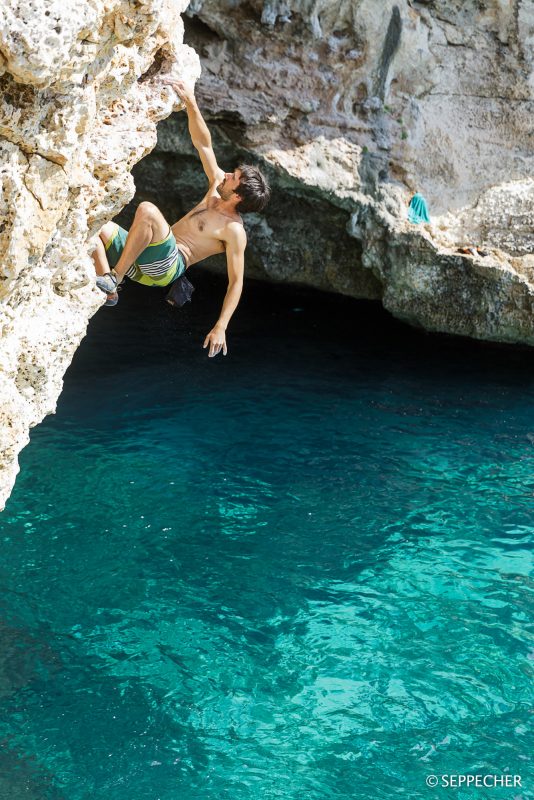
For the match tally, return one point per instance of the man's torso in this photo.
(201, 233)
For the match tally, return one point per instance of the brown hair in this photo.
(253, 189)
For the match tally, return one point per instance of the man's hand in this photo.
(185, 92)
(216, 339)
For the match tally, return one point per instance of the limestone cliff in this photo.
(352, 106)
(79, 103)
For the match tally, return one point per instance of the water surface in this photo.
(302, 571)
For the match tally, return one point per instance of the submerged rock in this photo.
(79, 104)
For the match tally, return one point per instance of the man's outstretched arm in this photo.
(200, 135)
(235, 261)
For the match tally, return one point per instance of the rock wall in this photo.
(79, 104)
(351, 107)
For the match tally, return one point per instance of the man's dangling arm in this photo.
(235, 261)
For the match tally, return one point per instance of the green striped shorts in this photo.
(158, 265)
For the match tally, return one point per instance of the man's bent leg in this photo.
(149, 226)
(99, 254)
(100, 258)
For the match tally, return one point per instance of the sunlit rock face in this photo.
(352, 107)
(79, 103)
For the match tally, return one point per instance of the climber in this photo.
(157, 254)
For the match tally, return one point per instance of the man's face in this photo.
(230, 183)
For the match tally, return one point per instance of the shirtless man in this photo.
(156, 254)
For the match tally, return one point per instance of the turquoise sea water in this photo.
(302, 572)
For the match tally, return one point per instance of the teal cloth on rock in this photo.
(418, 209)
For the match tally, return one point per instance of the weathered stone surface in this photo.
(352, 107)
(79, 103)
